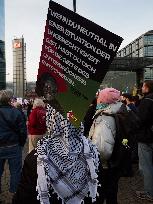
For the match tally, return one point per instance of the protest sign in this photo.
(75, 57)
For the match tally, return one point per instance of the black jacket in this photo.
(145, 113)
(26, 192)
(13, 128)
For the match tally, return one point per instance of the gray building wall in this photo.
(19, 67)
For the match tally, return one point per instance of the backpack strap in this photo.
(99, 112)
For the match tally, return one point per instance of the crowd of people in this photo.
(69, 163)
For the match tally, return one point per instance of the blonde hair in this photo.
(38, 102)
(5, 96)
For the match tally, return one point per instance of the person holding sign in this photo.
(64, 165)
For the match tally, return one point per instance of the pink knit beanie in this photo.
(108, 95)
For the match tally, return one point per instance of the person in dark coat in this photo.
(26, 191)
(145, 140)
(127, 99)
(13, 134)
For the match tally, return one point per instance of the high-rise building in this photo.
(2, 47)
(19, 67)
(140, 47)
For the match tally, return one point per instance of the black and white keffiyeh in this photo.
(67, 162)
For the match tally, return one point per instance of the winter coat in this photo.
(26, 191)
(37, 121)
(145, 113)
(132, 107)
(12, 127)
(103, 131)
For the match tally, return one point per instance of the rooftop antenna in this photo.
(74, 6)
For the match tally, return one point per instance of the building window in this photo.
(150, 51)
(141, 52)
(128, 50)
(122, 53)
(137, 45)
(133, 46)
(148, 40)
(140, 42)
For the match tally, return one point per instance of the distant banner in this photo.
(75, 57)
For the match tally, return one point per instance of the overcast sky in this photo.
(126, 18)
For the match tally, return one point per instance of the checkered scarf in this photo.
(67, 162)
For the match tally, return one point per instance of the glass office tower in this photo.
(2, 47)
(140, 47)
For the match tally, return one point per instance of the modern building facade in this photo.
(136, 59)
(2, 46)
(19, 67)
(140, 47)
